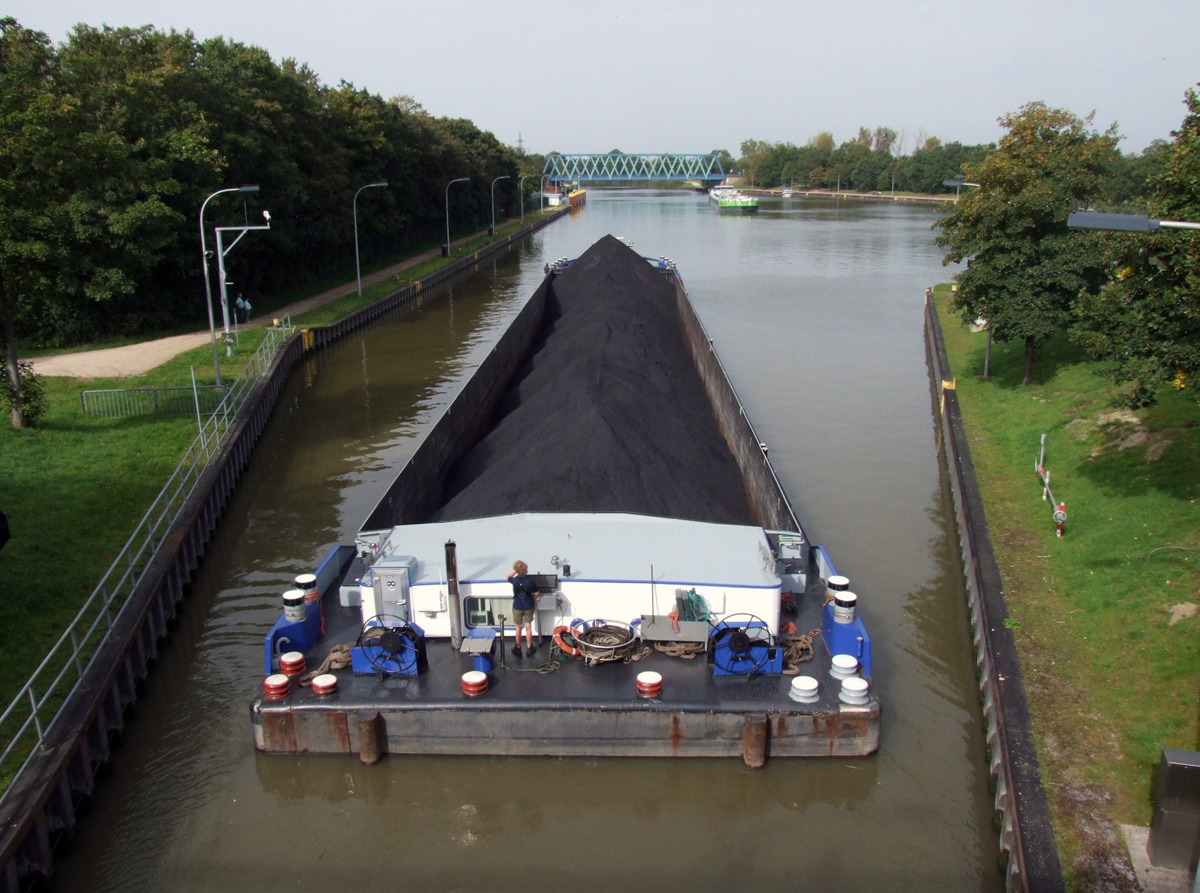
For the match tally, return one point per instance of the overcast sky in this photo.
(646, 76)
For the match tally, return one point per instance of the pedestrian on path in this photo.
(239, 307)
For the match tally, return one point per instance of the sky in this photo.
(646, 76)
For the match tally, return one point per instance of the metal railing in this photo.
(31, 715)
(123, 403)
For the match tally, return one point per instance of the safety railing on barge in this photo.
(38, 704)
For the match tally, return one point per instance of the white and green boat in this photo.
(730, 201)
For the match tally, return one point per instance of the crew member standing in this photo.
(524, 603)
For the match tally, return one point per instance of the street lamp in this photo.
(521, 195)
(1129, 223)
(354, 205)
(446, 247)
(492, 228)
(212, 326)
(958, 184)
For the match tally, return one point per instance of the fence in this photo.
(36, 707)
(123, 403)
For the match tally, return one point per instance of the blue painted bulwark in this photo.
(621, 167)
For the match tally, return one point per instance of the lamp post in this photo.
(987, 352)
(521, 195)
(492, 228)
(212, 326)
(542, 194)
(446, 247)
(354, 205)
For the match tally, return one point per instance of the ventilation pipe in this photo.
(455, 604)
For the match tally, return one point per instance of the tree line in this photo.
(110, 142)
(872, 161)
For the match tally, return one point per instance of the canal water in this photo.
(816, 311)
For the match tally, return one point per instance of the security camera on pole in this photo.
(205, 255)
(222, 251)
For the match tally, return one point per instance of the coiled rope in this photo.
(797, 651)
(338, 658)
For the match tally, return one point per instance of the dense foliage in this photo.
(1025, 268)
(110, 143)
(1146, 319)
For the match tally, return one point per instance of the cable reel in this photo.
(391, 645)
(742, 644)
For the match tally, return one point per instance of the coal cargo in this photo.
(607, 414)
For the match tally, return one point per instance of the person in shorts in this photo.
(524, 604)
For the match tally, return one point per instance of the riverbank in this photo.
(306, 307)
(71, 470)
(54, 756)
(1105, 619)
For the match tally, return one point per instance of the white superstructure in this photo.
(608, 566)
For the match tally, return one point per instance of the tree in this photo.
(1145, 321)
(1024, 267)
(32, 122)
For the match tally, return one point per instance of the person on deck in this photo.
(524, 603)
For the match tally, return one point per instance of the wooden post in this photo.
(754, 740)
(369, 737)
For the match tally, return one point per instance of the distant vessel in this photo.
(730, 201)
(787, 192)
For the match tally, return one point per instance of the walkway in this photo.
(137, 359)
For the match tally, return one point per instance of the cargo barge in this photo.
(682, 610)
(730, 200)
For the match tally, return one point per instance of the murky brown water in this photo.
(816, 312)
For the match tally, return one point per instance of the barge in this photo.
(682, 610)
(729, 200)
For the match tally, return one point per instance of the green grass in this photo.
(1111, 680)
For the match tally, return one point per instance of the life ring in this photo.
(564, 638)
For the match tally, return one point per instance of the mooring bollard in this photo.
(754, 740)
(369, 749)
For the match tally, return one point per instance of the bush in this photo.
(32, 403)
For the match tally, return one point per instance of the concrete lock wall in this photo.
(42, 803)
(1026, 830)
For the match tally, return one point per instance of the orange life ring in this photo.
(564, 638)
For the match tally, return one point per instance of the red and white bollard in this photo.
(1060, 517)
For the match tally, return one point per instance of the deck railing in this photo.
(28, 719)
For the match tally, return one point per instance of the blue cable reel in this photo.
(742, 644)
(389, 646)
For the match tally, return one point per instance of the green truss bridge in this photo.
(622, 167)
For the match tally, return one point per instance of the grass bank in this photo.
(74, 487)
(1106, 618)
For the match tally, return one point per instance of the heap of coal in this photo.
(608, 414)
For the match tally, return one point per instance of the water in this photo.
(816, 311)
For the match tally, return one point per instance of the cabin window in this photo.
(487, 611)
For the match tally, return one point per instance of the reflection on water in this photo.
(816, 312)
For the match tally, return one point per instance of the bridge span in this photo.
(625, 167)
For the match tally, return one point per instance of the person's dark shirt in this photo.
(524, 590)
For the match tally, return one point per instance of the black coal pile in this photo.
(608, 414)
